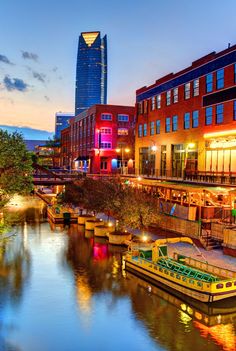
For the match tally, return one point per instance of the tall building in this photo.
(186, 121)
(61, 122)
(91, 71)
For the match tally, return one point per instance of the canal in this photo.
(62, 289)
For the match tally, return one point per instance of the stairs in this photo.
(210, 243)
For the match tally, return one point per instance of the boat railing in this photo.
(209, 268)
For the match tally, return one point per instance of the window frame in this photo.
(174, 123)
(187, 90)
(168, 125)
(187, 120)
(195, 119)
(207, 116)
(106, 114)
(219, 115)
(220, 79)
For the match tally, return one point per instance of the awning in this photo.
(82, 158)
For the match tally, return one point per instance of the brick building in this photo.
(186, 121)
(65, 156)
(101, 140)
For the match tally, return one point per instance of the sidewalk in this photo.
(214, 257)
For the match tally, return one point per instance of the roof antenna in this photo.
(229, 45)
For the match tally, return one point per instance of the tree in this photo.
(15, 166)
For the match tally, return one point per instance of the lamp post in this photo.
(122, 150)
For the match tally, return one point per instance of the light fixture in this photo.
(154, 148)
(191, 145)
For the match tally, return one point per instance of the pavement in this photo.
(214, 257)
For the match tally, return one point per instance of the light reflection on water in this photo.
(62, 289)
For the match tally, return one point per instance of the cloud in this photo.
(46, 98)
(39, 76)
(6, 60)
(12, 84)
(29, 56)
(55, 69)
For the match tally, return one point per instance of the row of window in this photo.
(171, 124)
(172, 96)
(120, 131)
(120, 117)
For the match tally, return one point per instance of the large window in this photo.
(158, 97)
(158, 126)
(196, 87)
(219, 113)
(152, 128)
(175, 95)
(103, 164)
(123, 118)
(174, 123)
(168, 121)
(122, 131)
(106, 116)
(234, 110)
(105, 130)
(187, 91)
(208, 116)
(195, 120)
(105, 145)
(153, 103)
(187, 120)
(209, 82)
(168, 97)
(220, 79)
(140, 130)
(145, 129)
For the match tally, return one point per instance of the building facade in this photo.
(91, 71)
(186, 122)
(61, 122)
(101, 140)
(65, 154)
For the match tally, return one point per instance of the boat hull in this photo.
(156, 278)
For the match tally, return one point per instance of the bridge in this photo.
(45, 176)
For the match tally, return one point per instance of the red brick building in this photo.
(101, 140)
(186, 121)
(65, 156)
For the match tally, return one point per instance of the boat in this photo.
(189, 276)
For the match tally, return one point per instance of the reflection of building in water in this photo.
(167, 317)
(223, 334)
(84, 294)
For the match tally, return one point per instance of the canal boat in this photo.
(197, 279)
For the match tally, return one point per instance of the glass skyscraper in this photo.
(91, 71)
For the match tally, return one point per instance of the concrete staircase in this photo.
(210, 243)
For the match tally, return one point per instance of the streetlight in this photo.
(122, 150)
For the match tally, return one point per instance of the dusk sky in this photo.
(146, 40)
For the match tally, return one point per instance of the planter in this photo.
(103, 230)
(83, 218)
(119, 238)
(91, 224)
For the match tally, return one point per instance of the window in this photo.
(219, 113)
(145, 129)
(234, 110)
(195, 121)
(123, 118)
(220, 79)
(196, 87)
(140, 130)
(209, 82)
(158, 125)
(174, 123)
(187, 120)
(140, 108)
(105, 145)
(145, 106)
(103, 164)
(106, 117)
(153, 103)
(105, 130)
(168, 97)
(152, 128)
(187, 91)
(175, 95)
(122, 131)
(158, 101)
(208, 116)
(167, 124)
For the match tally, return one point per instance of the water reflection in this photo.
(63, 289)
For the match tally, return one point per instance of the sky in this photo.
(146, 40)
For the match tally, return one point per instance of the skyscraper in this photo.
(91, 71)
(61, 122)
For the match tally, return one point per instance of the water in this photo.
(61, 289)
